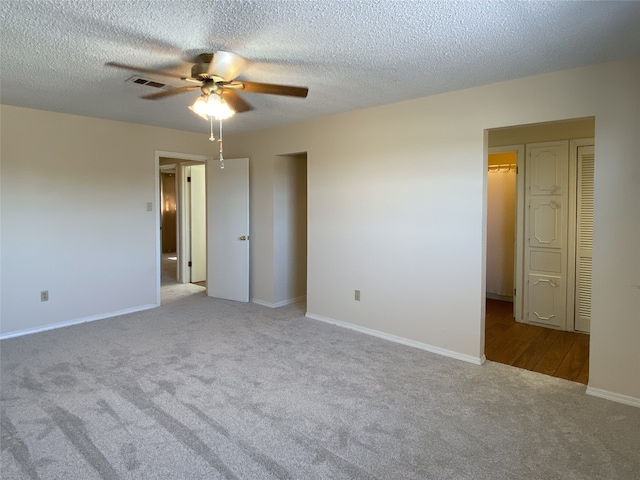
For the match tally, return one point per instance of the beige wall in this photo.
(396, 209)
(397, 199)
(74, 215)
(543, 132)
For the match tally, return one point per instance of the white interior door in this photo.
(584, 238)
(228, 229)
(546, 222)
(198, 224)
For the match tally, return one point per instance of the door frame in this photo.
(518, 264)
(180, 214)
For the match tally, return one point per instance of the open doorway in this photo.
(289, 230)
(178, 215)
(533, 269)
(168, 223)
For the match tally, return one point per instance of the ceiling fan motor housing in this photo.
(209, 86)
(199, 70)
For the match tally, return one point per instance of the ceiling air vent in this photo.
(146, 81)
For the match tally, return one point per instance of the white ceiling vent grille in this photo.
(147, 82)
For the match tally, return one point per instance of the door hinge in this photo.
(189, 263)
(188, 179)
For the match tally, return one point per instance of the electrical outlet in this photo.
(357, 295)
(44, 296)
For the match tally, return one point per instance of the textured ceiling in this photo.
(352, 54)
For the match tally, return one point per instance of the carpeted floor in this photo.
(169, 270)
(202, 388)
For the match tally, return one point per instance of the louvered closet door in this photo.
(546, 244)
(584, 238)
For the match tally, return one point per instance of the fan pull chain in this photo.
(211, 138)
(220, 145)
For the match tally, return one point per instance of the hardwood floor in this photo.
(544, 350)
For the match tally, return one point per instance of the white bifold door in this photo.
(546, 234)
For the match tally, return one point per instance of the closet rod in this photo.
(506, 166)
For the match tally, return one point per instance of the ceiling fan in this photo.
(215, 73)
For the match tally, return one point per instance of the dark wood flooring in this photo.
(543, 350)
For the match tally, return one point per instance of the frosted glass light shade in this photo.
(211, 106)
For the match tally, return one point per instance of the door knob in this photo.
(243, 237)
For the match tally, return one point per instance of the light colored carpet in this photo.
(169, 266)
(202, 388)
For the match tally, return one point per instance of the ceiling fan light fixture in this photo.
(211, 106)
(198, 108)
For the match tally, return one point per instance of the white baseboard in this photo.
(69, 323)
(401, 340)
(283, 303)
(616, 397)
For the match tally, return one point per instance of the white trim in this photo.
(54, 326)
(614, 397)
(401, 340)
(283, 303)
(157, 201)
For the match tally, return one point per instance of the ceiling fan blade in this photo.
(167, 93)
(235, 101)
(147, 70)
(270, 88)
(226, 65)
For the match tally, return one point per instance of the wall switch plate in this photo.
(44, 296)
(149, 206)
(357, 295)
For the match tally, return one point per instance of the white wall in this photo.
(74, 219)
(396, 210)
